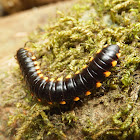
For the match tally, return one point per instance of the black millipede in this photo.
(62, 90)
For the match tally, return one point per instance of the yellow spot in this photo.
(60, 79)
(105, 45)
(76, 99)
(91, 59)
(77, 72)
(38, 72)
(50, 103)
(39, 100)
(99, 51)
(46, 78)
(118, 55)
(98, 84)
(62, 102)
(68, 76)
(114, 63)
(85, 66)
(41, 75)
(52, 79)
(33, 57)
(107, 73)
(35, 63)
(37, 67)
(88, 93)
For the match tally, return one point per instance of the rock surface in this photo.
(12, 6)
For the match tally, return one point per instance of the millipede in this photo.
(71, 87)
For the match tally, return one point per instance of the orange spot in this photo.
(91, 59)
(85, 66)
(35, 63)
(33, 57)
(107, 73)
(88, 93)
(27, 49)
(32, 94)
(39, 100)
(60, 79)
(76, 99)
(52, 79)
(37, 67)
(77, 72)
(99, 51)
(38, 72)
(62, 102)
(114, 63)
(46, 78)
(50, 103)
(68, 76)
(98, 84)
(118, 55)
(41, 75)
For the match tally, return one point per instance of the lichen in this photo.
(63, 48)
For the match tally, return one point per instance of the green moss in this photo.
(69, 119)
(63, 48)
(127, 124)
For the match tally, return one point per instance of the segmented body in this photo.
(70, 87)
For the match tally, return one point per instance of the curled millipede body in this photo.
(70, 87)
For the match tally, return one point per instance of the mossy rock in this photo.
(63, 48)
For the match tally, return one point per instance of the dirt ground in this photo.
(15, 28)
